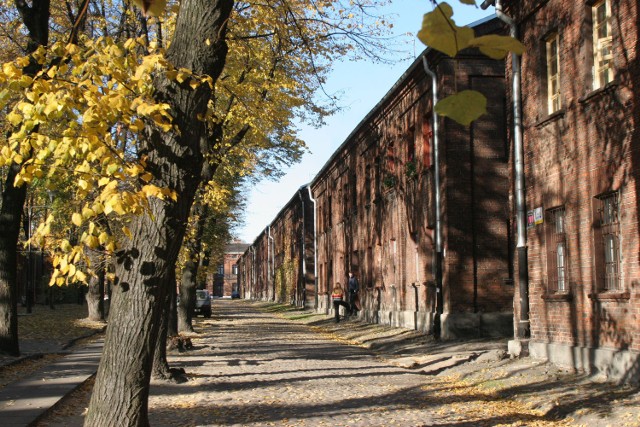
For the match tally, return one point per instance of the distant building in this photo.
(279, 264)
(225, 277)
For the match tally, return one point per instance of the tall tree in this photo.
(175, 160)
(36, 19)
(145, 126)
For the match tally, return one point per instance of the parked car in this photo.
(203, 303)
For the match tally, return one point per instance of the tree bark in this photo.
(10, 215)
(172, 327)
(161, 368)
(36, 19)
(187, 297)
(95, 296)
(189, 279)
(120, 394)
(160, 365)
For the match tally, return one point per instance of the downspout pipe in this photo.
(437, 327)
(270, 261)
(302, 292)
(523, 327)
(315, 247)
(253, 272)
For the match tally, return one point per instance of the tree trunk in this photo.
(120, 394)
(36, 18)
(189, 279)
(187, 297)
(161, 369)
(172, 327)
(160, 365)
(95, 296)
(13, 199)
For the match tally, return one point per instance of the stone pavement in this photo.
(259, 364)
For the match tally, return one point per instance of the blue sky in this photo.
(363, 84)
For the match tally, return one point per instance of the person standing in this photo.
(353, 287)
(338, 300)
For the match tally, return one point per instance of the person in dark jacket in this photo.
(338, 300)
(353, 287)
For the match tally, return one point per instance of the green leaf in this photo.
(473, 2)
(463, 107)
(497, 47)
(440, 32)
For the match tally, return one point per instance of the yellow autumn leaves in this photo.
(78, 118)
(439, 31)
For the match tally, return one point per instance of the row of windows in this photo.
(602, 55)
(234, 269)
(606, 246)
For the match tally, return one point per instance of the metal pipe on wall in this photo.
(436, 172)
(315, 246)
(523, 327)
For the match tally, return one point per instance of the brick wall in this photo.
(588, 149)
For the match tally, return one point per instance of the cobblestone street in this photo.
(266, 370)
(252, 367)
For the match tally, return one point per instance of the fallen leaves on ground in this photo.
(11, 373)
(463, 400)
(64, 323)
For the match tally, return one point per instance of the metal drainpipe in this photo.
(315, 248)
(253, 272)
(437, 327)
(304, 254)
(523, 329)
(270, 271)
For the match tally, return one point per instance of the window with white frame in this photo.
(602, 44)
(553, 74)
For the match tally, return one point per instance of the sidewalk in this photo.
(59, 350)
(25, 401)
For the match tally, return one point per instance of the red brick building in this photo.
(580, 108)
(279, 264)
(376, 205)
(225, 278)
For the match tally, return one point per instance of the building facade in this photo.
(376, 206)
(580, 80)
(376, 210)
(280, 264)
(225, 277)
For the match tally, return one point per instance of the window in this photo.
(553, 74)
(391, 158)
(557, 251)
(427, 135)
(234, 269)
(411, 145)
(367, 184)
(221, 269)
(610, 240)
(345, 200)
(602, 44)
